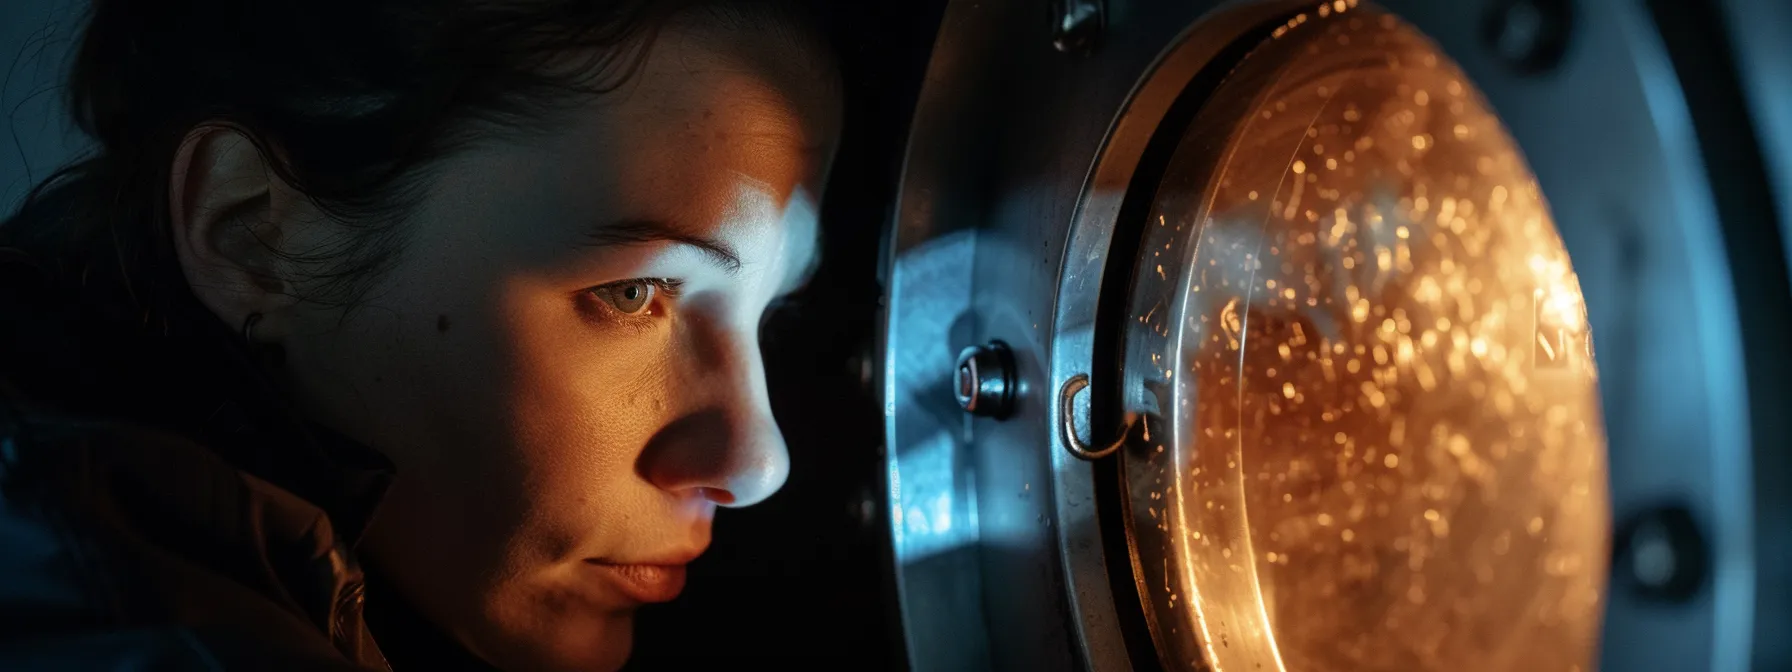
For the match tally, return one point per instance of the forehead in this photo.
(710, 106)
(721, 139)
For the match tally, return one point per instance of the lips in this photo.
(644, 583)
(645, 572)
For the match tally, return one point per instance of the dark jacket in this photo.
(160, 508)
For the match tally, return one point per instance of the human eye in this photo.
(635, 299)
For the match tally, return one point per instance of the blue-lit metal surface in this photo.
(932, 495)
(1018, 142)
(1758, 34)
(1761, 33)
(927, 266)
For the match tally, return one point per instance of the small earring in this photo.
(249, 327)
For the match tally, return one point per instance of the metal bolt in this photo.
(1529, 35)
(985, 381)
(1662, 555)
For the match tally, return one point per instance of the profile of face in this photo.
(563, 361)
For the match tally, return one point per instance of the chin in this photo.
(597, 645)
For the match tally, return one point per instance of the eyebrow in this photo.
(637, 231)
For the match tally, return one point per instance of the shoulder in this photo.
(124, 546)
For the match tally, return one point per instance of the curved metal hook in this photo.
(1067, 423)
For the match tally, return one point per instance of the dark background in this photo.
(802, 580)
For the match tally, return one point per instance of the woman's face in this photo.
(564, 362)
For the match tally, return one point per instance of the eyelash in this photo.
(663, 289)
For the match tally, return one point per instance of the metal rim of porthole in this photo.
(1682, 517)
(1642, 227)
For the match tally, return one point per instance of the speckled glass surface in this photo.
(1386, 451)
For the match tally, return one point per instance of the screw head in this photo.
(1662, 555)
(984, 382)
(1531, 36)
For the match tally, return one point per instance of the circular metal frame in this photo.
(1206, 486)
(1607, 131)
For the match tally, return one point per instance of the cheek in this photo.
(417, 374)
(585, 400)
(377, 372)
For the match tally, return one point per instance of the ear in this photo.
(223, 215)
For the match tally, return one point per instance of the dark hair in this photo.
(349, 100)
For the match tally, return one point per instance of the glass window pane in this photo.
(1387, 443)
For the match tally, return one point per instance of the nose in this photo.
(724, 446)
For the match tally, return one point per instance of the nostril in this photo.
(717, 495)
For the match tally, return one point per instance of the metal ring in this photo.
(1067, 422)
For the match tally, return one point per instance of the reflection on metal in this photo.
(1067, 424)
(1386, 450)
(1756, 31)
(1662, 555)
(932, 489)
(984, 380)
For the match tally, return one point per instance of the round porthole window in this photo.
(1378, 441)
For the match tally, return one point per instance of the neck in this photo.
(407, 639)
